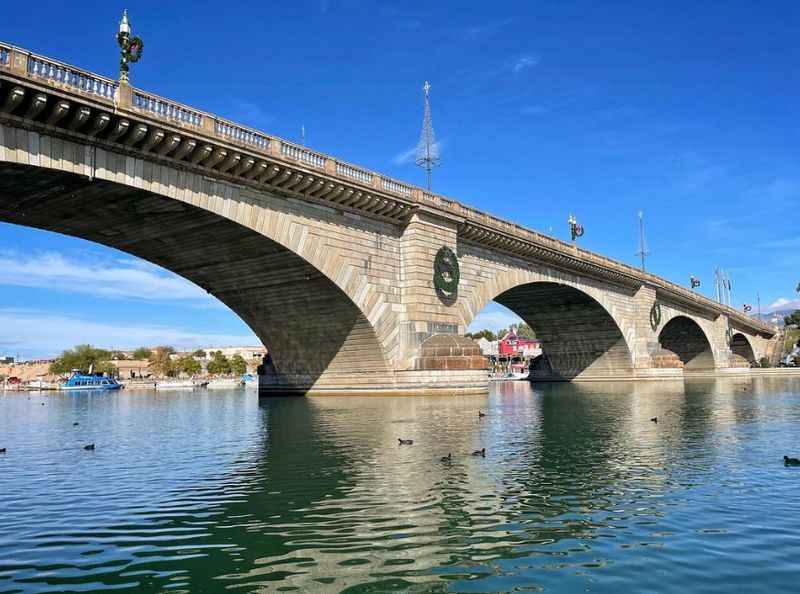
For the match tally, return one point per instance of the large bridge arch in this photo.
(742, 352)
(584, 335)
(305, 300)
(689, 341)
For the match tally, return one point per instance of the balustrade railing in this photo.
(66, 75)
(390, 184)
(166, 109)
(240, 134)
(365, 177)
(301, 154)
(5, 53)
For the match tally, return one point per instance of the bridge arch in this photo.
(742, 351)
(686, 339)
(316, 314)
(583, 336)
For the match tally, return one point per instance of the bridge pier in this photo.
(332, 266)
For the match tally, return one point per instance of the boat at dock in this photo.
(180, 385)
(225, 383)
(81, 381)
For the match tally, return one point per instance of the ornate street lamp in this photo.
(131, 47)
(694, 281)
(575, 229)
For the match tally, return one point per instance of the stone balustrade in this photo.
(79, 80)
(395, 186)
(303, 154)
(360, 175)
(500, 233)
(241, 135)
(167, 110)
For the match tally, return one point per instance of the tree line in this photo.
(85, 357)
(522, 330)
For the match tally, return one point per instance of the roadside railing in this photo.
(360, 175)
(166, 109)
(241, 135)
(5, 53)
(72, 77)
(302, 154)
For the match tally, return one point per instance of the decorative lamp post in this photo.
(747, 307)
(131, 47)
(575, 229)
(694, 281)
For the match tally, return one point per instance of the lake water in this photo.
(579, 491)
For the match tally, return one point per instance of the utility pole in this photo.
(642, 245)
(758, 298)
(427, 148)
(303, 135)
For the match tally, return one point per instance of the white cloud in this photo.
(784, 303)
(524, 62)
(408, 155)
(42, 334)
(115, 278)
(493, 320)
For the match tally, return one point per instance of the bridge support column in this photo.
(645, 343)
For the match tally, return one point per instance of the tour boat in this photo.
(80, 381)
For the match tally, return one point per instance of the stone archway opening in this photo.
(579, 338)
(314, 331)
(683, 340)
(742, 354)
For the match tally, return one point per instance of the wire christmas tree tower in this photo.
(427, 149)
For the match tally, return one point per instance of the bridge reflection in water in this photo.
(578, 486)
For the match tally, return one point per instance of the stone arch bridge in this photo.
(330, 264)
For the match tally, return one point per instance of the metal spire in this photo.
(643, 251)
(427, 148)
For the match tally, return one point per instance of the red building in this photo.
(512, 345)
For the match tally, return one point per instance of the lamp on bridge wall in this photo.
(575, 229)
(131, 47)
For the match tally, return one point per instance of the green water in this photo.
(579, 491)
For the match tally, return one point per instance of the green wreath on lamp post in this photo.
(446, 273)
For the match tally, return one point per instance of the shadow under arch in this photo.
(310, 325)
(580, 338)
(742, 351)
(685, 338)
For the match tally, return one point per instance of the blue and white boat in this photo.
(80, 381)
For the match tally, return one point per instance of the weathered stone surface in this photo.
(331, 265)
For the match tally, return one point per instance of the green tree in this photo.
(188, 365)
(199, 353)
(763, 362)
(142, 354)
(238, 365)
(525, 331)
(160, 361)
(82, 358)
(487, 334)
(219, 364)
(793, 318)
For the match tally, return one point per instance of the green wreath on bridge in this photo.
(729, 335)
(655, 315)
(446, 273)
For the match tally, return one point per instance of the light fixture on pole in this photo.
(575, 229)
(130, 47)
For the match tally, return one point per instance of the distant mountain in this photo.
(774, 317)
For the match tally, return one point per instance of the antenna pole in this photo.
(758, 297)
(642, 245)
(427, 148)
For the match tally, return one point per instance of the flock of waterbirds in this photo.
(787, 461)
(448, 459)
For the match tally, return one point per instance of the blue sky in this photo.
(686, 110)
